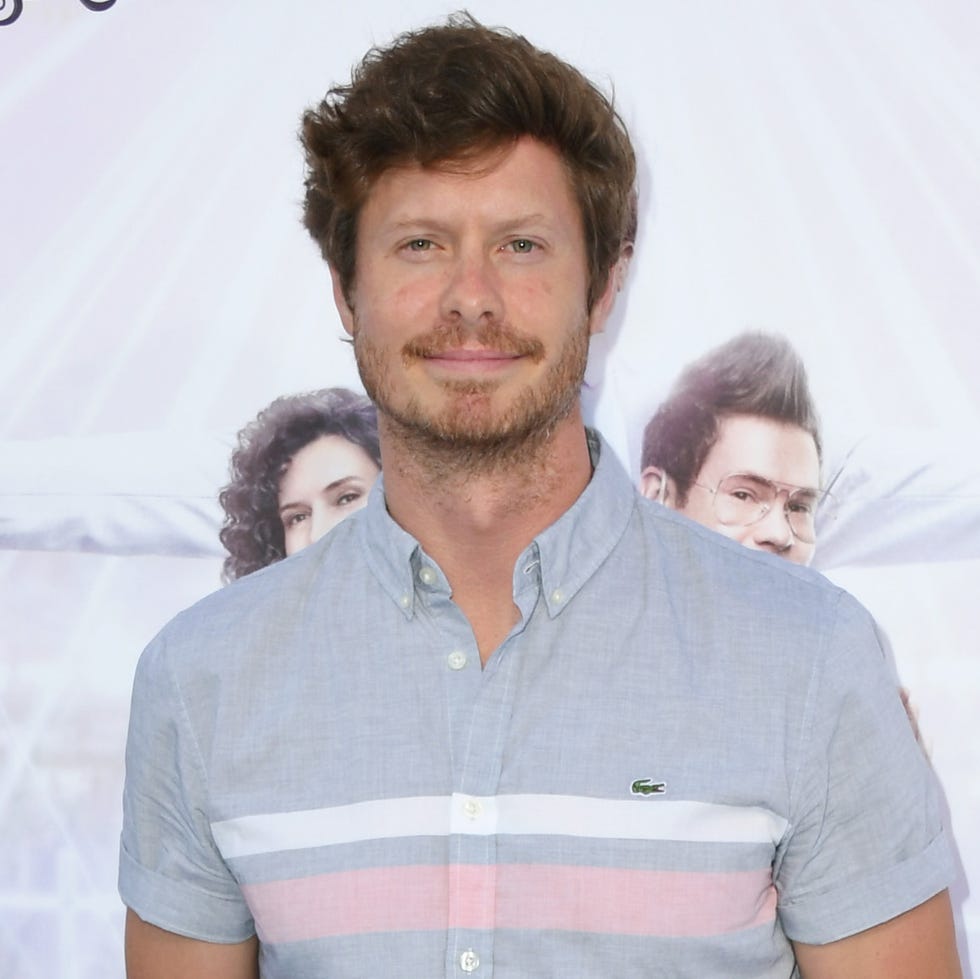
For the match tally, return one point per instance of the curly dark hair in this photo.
(753, 374)
(252, 532)
(446, 95)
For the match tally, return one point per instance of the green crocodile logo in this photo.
(647, 786)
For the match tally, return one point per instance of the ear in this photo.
(604, 304)
(655, 484)
(622, 266)
(344, 308)
(617, 279)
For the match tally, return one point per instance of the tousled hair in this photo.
(252, 532)
(444, 96)
(752, 374)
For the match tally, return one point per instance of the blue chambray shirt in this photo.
(684, 754)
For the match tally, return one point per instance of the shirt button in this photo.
(456, 660)
(427, 576)
(469, 961)
(473, 808)
(405, 601)
(558, 596)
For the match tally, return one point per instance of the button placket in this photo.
(478, 701)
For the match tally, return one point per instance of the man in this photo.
(736, 447)
(510, 719)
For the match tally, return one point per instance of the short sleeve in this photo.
(865, 842)
(170, 871)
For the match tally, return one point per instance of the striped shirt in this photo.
(684, 755)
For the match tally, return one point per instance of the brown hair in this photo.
(752, 374)
(448, 94)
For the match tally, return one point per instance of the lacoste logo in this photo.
(647, 786)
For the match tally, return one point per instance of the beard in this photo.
(467, 419)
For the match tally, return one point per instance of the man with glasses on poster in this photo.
(736, 447)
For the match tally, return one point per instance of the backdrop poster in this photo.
(810, 170)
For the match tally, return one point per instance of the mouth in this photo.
(465, 360)
(493, 350)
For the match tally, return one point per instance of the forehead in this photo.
(323, 461)
(776, 450)
(526, 178)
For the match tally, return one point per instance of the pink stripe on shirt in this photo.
(526, 896)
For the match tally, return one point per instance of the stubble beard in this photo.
(467, 434)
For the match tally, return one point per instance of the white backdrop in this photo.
(812, 169)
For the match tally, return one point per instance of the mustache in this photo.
(492, 336)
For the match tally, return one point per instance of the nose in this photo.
(472, 294)
(773, 532)
(321, 520)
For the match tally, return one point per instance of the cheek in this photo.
(295, 538)
(743, 535)
(400, 294)
(548, 309)
(702, 511)
(409, 300)
(395, 317)
(803, 554)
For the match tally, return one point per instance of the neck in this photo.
(475, 510)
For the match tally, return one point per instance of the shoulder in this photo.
(751, 605)
(258, 611)
(690, 548)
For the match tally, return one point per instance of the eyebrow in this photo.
(757, 478)
(417, 222)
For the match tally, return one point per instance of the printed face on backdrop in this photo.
(468, 311)
(758, 486)
(325, 481)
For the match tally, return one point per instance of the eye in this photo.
(742, 495)
(293, 519)
(522, 246)
(418, 245)
(800, 506)
(351, 496)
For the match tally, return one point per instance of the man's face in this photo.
(468, 311)
(784, 454)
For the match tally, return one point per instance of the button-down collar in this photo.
(557, 562)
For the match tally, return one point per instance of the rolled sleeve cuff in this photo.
(863, 902)
(179, 908)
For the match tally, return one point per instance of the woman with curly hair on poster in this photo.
(305, 463)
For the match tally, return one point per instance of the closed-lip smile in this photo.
(472, 359)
